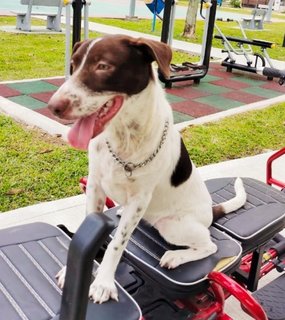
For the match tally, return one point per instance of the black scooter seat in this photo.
(259, 220)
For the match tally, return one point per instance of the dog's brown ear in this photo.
(76, 46)
(159, 52)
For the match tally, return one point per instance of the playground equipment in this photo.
(250, 60)
(77, 6)
(189, 71)
(155, 6)
(249, 246)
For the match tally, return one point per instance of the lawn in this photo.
(29, 56)
(273, 32)
(35, 167)
(42, 55)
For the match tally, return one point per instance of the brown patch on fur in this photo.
(218, 212)
(130, 63)
(134, 125)
(98, 147)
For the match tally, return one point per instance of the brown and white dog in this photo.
(136, 156)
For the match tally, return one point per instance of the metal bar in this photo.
(210, 31)
(166, 20)
(67, 41)
(132, 9)
(254, 273)
(77, 15)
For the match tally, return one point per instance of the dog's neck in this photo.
(139, 129)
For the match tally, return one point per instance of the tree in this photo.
(191, 17)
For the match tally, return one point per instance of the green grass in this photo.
(35, 167)
(26, 56)
(29, 56)
(273, 32)
(238, 136)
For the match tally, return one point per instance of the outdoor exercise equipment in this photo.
(155, 6)
(249, 246)
(189, 71)
(77, 6)
(241, 56)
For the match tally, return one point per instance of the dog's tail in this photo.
(233, 204)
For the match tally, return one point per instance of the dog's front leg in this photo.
(94, 204)
(95, 197)
(103, 288)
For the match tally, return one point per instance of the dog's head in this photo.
(105, 72)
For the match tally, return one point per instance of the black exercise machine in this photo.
(189, 71)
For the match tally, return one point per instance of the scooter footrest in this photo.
(272, 297)
(146, 247)
(259, 220)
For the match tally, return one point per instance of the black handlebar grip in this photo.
(279, 247)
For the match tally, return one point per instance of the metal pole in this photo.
(67, 41)
(269, 11)
(132, 9)
(86, 16)
(77, 15)
(166, 21)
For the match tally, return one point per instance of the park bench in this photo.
(256, 20)
(53, 19)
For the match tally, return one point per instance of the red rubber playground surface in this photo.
(218, 91)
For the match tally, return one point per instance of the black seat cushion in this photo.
(30, 257)
(146, 247)
(272, 297)
(259, 220)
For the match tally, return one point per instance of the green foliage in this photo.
(235, 3)
(35, 167)
(238, 136)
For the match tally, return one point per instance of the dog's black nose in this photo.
(58, 106)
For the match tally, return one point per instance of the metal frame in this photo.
(196, 71)
(244, 49)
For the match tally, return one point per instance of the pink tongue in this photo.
(87, 128)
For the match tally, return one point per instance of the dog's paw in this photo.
(171, 259)
(61, 277)
(102, 291)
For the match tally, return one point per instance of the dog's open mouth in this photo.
(87, 128)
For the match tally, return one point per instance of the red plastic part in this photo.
(269, 179)
(248, 303)
(83, 182)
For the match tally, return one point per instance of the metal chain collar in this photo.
(129, 167)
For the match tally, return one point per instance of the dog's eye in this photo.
(103, 66)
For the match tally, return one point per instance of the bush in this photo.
(235, 3)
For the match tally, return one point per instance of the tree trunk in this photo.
(190, 21)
